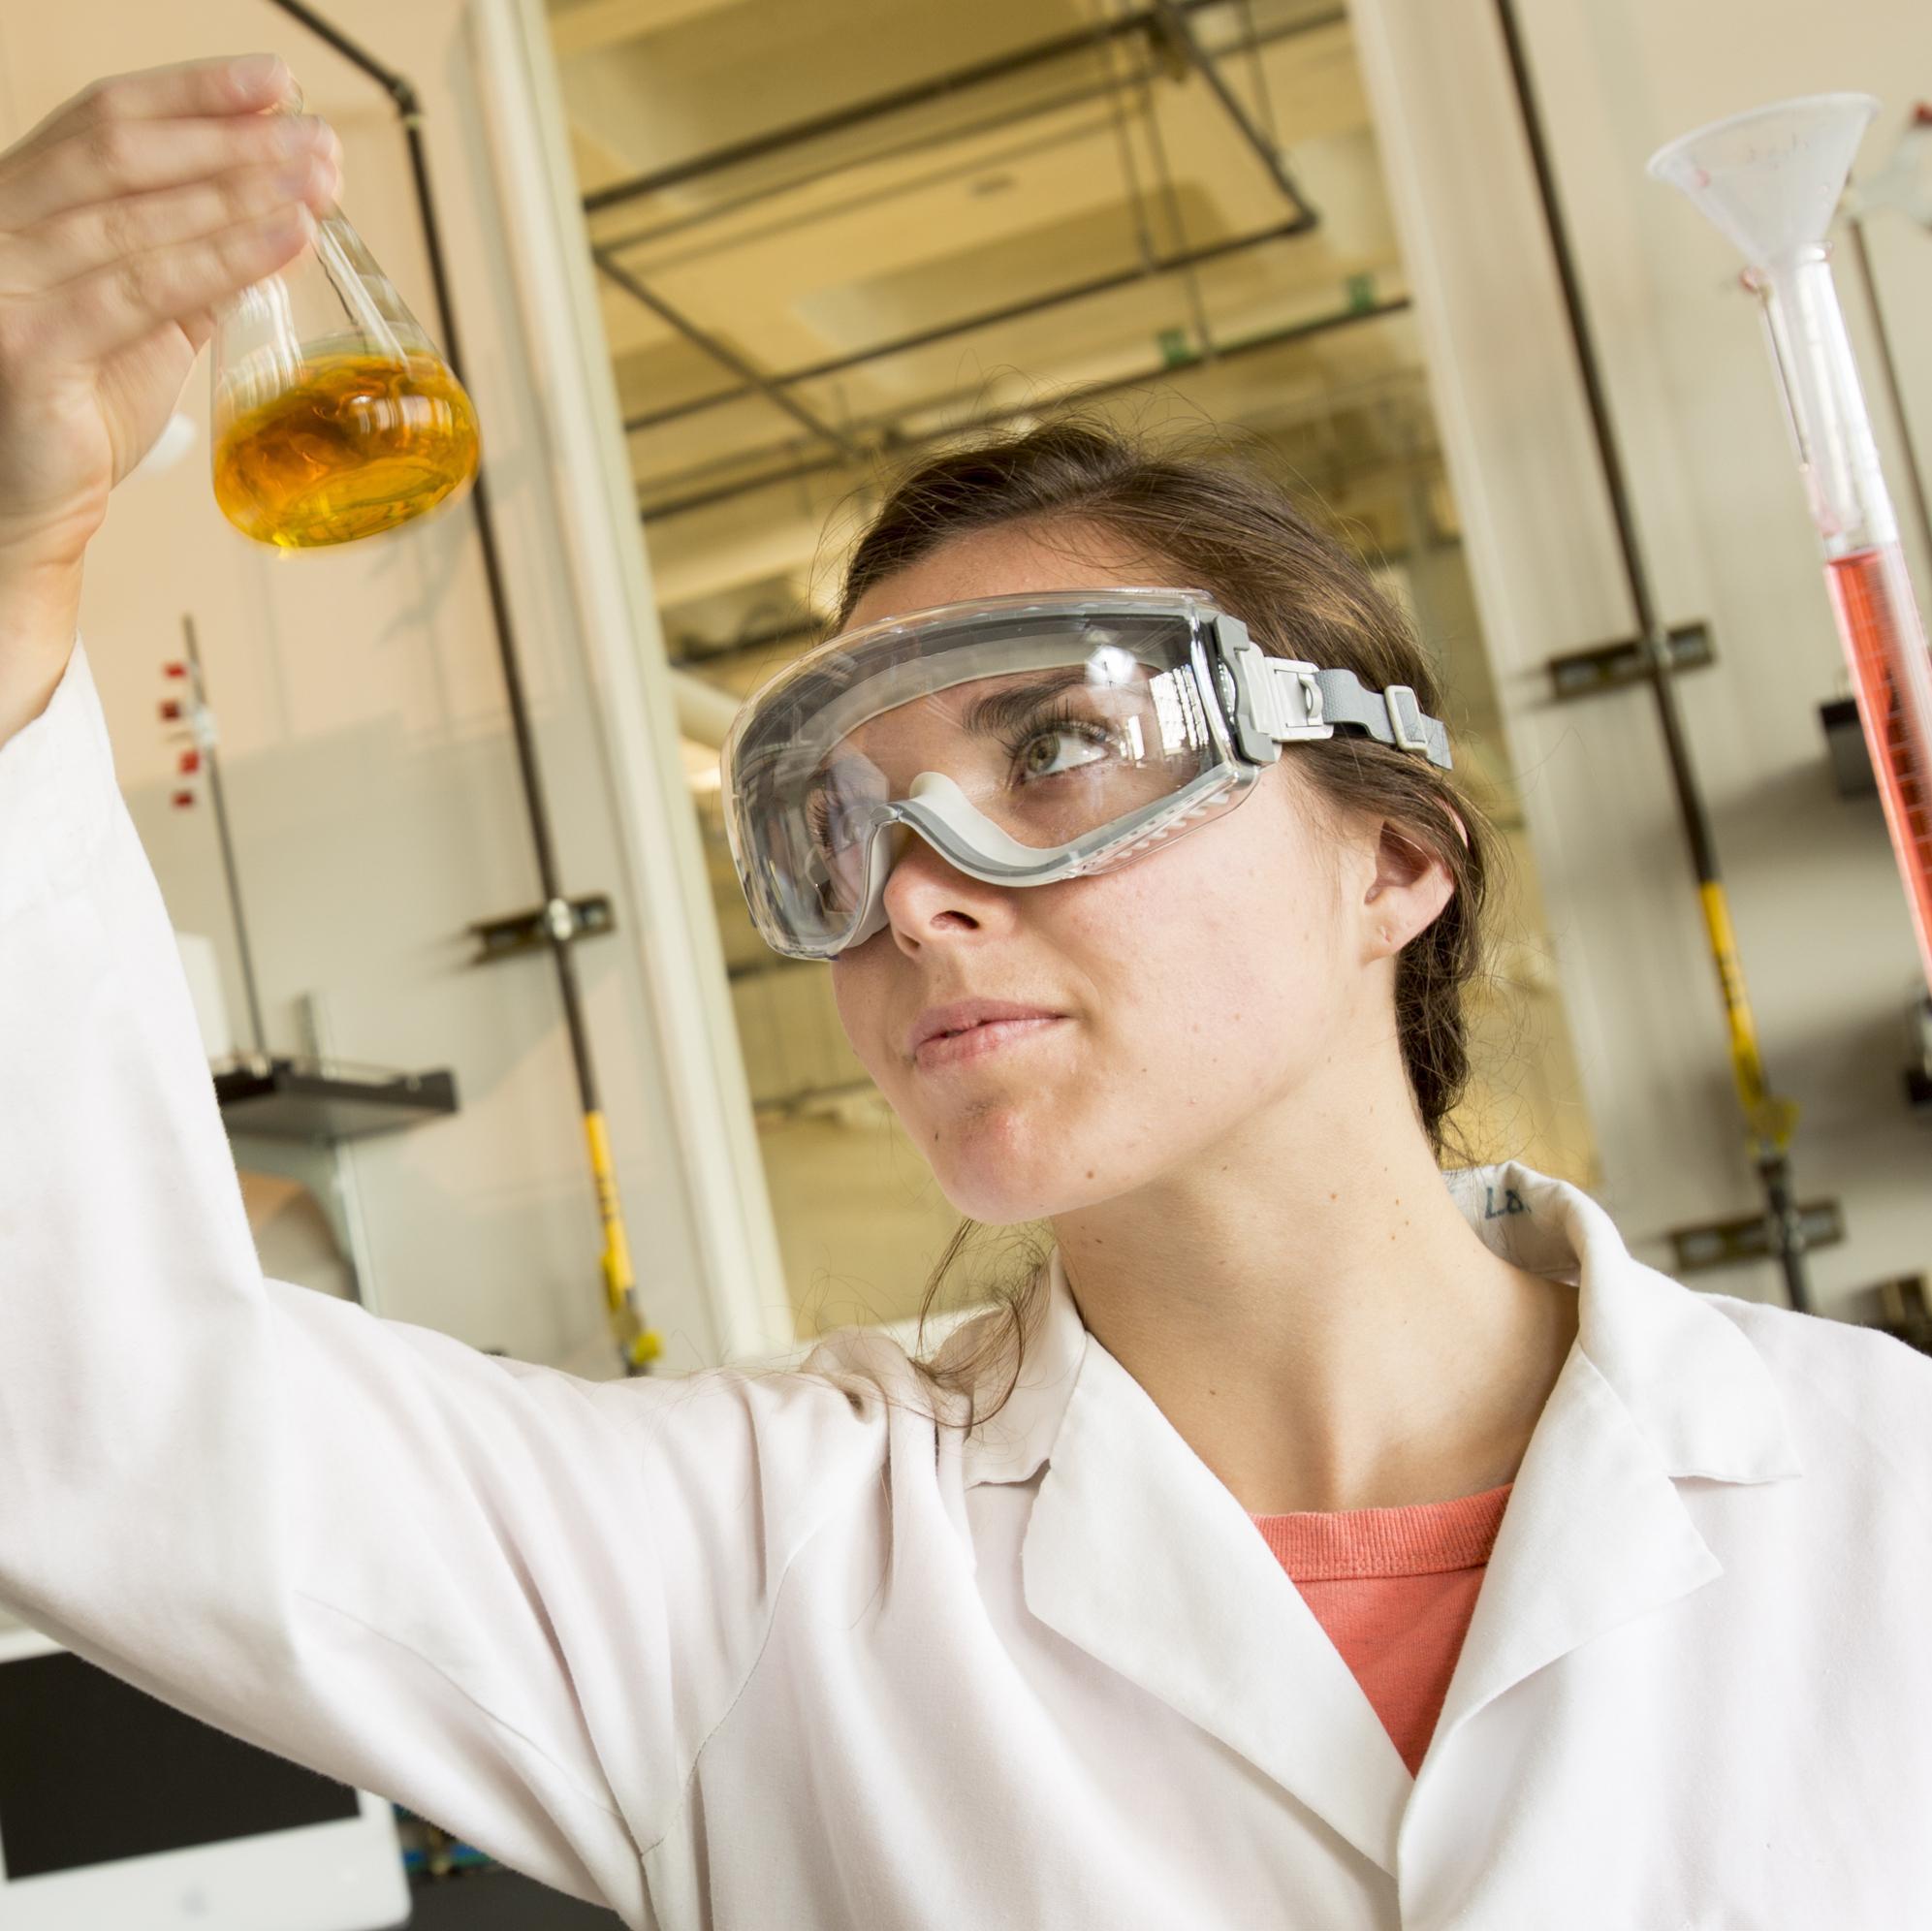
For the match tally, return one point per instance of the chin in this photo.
(1004, 1188)
(989, 1176)
(999, 1206)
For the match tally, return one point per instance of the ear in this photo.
(1406, 896)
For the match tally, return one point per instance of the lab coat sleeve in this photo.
(512, 1600)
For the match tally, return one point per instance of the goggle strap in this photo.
(1284, 701)
(1390, 716)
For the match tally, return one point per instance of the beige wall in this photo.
(1821, 920)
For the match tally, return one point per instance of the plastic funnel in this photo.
(1770, 180)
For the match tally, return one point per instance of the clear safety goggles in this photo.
(1027, 739)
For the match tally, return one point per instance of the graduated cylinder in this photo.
(1770, 181)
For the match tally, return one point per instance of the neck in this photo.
(1322, 1327)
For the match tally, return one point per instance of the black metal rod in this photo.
(751, 645)
(1609, 456)
(1177, 220)
(754, 378)
(1175, 24)
(1123, 147)
(393, 83)
(218, 799)
(1652, 632)
(796, 472)
(987, 318)
(409, 110)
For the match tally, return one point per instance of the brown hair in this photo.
(1224, 525)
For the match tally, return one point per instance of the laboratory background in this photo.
(437, 816)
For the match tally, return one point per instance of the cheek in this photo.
(859, 995)
(1216, 931)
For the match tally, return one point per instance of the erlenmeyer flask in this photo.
(335, 417)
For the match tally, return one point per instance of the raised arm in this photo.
(515, 1601)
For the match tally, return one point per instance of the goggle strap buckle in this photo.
(1277, 700)
(1283, 701)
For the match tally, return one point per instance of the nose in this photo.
(927, 897)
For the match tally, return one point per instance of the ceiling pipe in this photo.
(686, 220)
(1226, 352)
(704, 711)
(1175, 29)
(755, 642)
(752, 378)
(986, 319)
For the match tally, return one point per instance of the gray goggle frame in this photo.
(1253, 704)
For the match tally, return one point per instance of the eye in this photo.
(1039, 753)
(830, 826)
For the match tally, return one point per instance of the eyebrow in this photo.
(1004, 709)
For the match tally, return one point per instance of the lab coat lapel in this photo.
(1594, 1535)
(1141, 1555)
(1658, 1385)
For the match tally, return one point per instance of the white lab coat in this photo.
(764, 1652)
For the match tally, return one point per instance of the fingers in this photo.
(93, 318)
(116, 158)
(237, 85)
(90, 238)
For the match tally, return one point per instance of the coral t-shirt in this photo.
(1395, 1589)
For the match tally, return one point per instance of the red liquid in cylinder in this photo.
(1893, 677)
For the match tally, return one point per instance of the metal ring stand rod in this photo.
(637, 1342)
(1768, 1119)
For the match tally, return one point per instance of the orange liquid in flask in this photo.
(1863, 591)
(353, 445)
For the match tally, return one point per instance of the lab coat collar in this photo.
(1692, 1383)
(1139, 1554)
(1696, 1389)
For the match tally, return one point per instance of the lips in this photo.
(937, 1022)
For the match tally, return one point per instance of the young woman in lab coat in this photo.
(1168, 1618)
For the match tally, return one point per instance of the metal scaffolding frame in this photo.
(1088, 392)
(923, 93)
(1167, 23)
(1103, 41)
